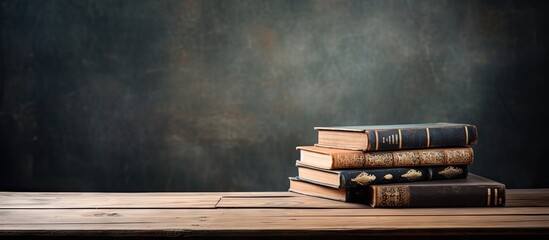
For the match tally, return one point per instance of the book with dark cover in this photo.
(472, 191)
(351, 178)
(333, 158)
(397, 136)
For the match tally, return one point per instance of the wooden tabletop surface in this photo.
(258, 214)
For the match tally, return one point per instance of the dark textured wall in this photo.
(216, 95)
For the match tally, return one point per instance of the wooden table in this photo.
(270, 215)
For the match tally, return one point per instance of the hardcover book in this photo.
(351, 178)
(397, 136)
(472, 191)
(333, 158)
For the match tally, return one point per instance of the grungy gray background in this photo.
(216, 95)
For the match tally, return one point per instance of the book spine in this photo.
(422, 157)
(410, 138)
(439, 196)
(348, 160)
(365, 177)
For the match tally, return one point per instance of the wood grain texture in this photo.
(515, 198)
(293, 201)
(256, 214)
(261, 222)
(121, 200)
(18, 200)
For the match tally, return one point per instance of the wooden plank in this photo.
(293, 201)
(47, 216)
(421, 212)
(515, 198)
(306, 202)
(271, 221)
(125, 200)
(366, 222)
(256, 214)
(121, 200)
(107, 200)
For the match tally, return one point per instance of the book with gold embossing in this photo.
(472, 191)
(350, 178)
(333, 158)
(397, 136)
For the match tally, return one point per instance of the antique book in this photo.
(350, 178)
(472, 191)
(333, 158)
(397, 136)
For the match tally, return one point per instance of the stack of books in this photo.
(406, 165)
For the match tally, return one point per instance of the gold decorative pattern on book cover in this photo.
(451, 172)
(364, 178)
(407, 158)
(434, 157)
(460, 156)
(343, 160)
(412, 175)
(379, 159)
(393, 196)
